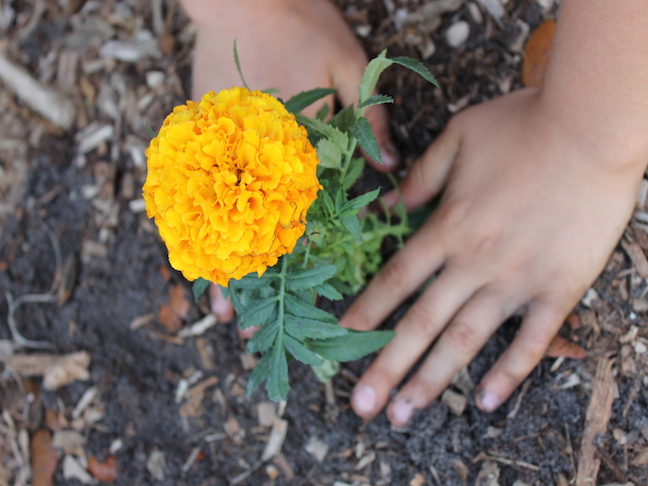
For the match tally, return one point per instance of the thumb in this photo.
(427, 176)
(376, 114)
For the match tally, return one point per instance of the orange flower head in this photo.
(229, 182)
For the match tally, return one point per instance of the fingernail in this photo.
(364, 399)
(402, 410)
(391, 198)
(388, 155)
(488, 401)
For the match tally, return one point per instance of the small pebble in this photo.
(457, 34)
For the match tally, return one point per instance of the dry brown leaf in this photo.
(57, 370)
(536, 54)
(43, 458)
(105, 471)
(418, 480)
(560, 347)
(171, 315)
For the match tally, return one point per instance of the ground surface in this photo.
(82, 270)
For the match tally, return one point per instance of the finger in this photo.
(426, 177)
(347, 86)
(457, 346)
(406, 271)
(414, 334)
(220, 306)
(538, 328)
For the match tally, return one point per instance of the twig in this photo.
(508, 462)
(13, 305)
(596, 423)
(516, 408)
(244, 475)
(47, 102)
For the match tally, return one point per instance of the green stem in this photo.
(282, 293)
(308, 248)
(353, 143)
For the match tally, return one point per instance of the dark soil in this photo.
(113, 269)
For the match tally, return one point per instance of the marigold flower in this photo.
(229, 182)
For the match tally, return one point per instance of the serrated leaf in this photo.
(418, 67)
(199, 286)
(257, 313)
(343, 119)
(321, 128)
(352, 346)
(252, 282)
(359, 202)
(328, 291)
(363, 132)
(376, 67)
(376, 100)
(263, 339)
(303, 328)
(329, 154)
(353, 173)
(300, 308)
(260, 373)
(309, 278)
(277, 385)
(353, 226)
(301, 352)
(306, 98)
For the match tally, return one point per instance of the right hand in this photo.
(290, 45)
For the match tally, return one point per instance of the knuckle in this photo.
(420, 320)
(394, 275)
(452, 215)
(463, 338)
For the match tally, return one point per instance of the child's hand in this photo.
(289, 45)
(529, 216)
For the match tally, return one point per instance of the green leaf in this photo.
(323, 112)
(327, 370)
(376, 100)
(375, 68)
(321, 128)
(307, 279)
(329, 154)
(353, 173)
(301, 352)
(417, 66)
(353, 226)
(359, 202)
(258, 313)
(306, 98)
(303, 328)
(277, 385)
(150, 131)
(198, 288)
(343, 119)
(352, 346)
(238, 65)
(253, 282)
(263, 338)
(328, 291)
(271, 91)
(300, 308)
(363, 132)
(260, 374)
